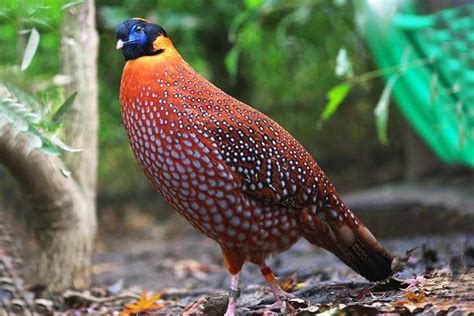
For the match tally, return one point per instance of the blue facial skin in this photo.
(138, 36)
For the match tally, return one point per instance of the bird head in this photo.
(138, 37)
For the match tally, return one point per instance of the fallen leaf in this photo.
(143, 305)
(289, 283)
(414, 283)
(415, 297)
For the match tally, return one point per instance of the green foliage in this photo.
(33, 113)
(335, 96)
(17, 108)
(63, 109)
(30, 50)
(231, 61)
(382, 109)
(338, 93)
(30, 100)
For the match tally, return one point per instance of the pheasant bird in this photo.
(233, 173)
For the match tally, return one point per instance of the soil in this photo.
(174, 259)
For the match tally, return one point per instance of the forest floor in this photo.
(166, 256)
(169, 257)
(187, 269)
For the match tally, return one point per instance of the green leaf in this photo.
(253, 4)
(231, 61)
(24, 96)
(239, 20)
(30, 50)
(56, 141)
(49, 148)
(343, 64)
(382, 109)
(335, 96)
(15, 109)
(64, 108)
(71, 4)
(48, 126)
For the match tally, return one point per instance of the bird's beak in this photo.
(120, 44)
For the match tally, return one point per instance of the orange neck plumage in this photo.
(145, 68)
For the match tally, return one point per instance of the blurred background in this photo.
(379, 92)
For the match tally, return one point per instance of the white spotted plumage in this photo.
(235, 174)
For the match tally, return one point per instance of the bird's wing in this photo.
(273, 168)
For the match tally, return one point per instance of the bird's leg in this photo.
(234, 293)
(280, 295)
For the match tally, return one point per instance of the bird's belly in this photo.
(192, 176)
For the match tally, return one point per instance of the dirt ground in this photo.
(172, 258)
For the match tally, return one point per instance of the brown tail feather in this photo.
(346, 237)
(373, 264)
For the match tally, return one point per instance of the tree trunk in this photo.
(58, 218)
(79, 49)
(63, 212)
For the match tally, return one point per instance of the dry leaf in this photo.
(143, 305)
(415, 297)
(289, 283)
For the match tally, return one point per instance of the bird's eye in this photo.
(138, 29)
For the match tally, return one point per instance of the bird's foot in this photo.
(281, 297)
(278, 293)
(281, 304)
(268, 310)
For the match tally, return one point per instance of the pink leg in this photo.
(280, 295)
(234, 293)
